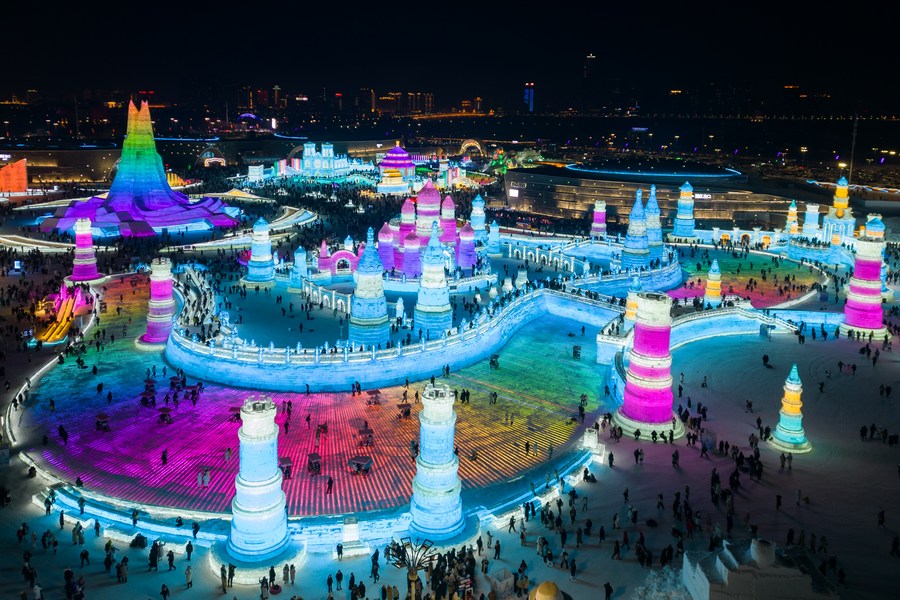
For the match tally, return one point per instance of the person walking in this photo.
(164, 592)
(223, 577)
(496, 549)
(188, 577)
(338, 578)
(608, 589)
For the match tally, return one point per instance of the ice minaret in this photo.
(839, 223)
(368, 307)
(791, 225)
(811, 221)
(654, 227)
(386, 247)
(259, 520)
(467, 258)
(647, 404)
(299, 270)
(863, 310)
(713, 293)
(84, 269)
(789, 435)
(436, 505)
(412, 260)
(477, 219)
(598, 225)
(162, 304)
(684, 218)
(493, 245)
(636, 252)
(433, 313)
(261, 266)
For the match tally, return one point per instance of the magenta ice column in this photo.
(598, 226)
(647, 401)
(84, 268)
(863, 311)
(162, 303)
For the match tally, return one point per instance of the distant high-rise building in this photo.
(262, 98)
(589, 84)
(338, 102)
(365, 100)
(276, 96)
(529, 96)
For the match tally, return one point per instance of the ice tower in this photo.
(261, 266)
(386, 247)
(299, 270)
(433, 313)
(839, 223)
(654, 227)
(789, 435)
(162, 305)
(428, 209)
(467, 258)
(712, 295)
(684, 218)
(636, 252)
(598, 226)
(259, 520)
(368, 307)
(791, 225)
(477, 219)
(140, 201)
(436, 505)
(811, 221)
(863, 311)
(84, 269)
(647, 404)
(631, 302)
(493, 245)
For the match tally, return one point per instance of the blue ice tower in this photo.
(259, 520)
(684, 218)
(299, 271)
(493, 245)
(368, 307)
(436, 505)
(654, 227)
(477, 220)
(261, 266)
(789, 435)
(433, 314)
(636, 251)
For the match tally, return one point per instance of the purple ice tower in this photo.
(863, 310)
(648, 389)
(84, 269)
(162, 304)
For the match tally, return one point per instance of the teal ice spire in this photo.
(369, 323)
(654, 227)
(636, 251)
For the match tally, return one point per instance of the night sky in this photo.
(193, 49)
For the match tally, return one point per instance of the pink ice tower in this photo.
(448, 221)
(598, 227)
(467, 259)
(386, 247)
(84, 269)
(863, 310)
(428, 210)
(407, 219)
(162, 304)
(647, 402)
(412, 259)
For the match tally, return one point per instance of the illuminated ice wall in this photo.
(863, 310)
(433, 313)
(648, 387)
(684, 218)
(140, 199)
(259, 520)
(261, 266)
(85, 266)
(636, 251)
(598, 225)
(789, 435)
(368, 307)
(654, 227)
(436, 505)
(162, 303)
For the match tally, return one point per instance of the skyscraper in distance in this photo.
(529, 96)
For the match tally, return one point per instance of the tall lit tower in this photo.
(261, 266)
(636, 252)
(162, 305)
(436, 505)
(792, 225)
(631, 301)
(529, 97)
(648, 380)
(684, 218)
(466, 257)
(789, 435)
(493, 243)
(863, 310)
(386, 247)
(654, 227)
(477, 219)
(428, 209)
(84, 269)
(368, 307)
(598, 226)
(712, 295)
(299, 270)
(433, 313)
(259, 520)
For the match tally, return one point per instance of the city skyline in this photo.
(196, 54)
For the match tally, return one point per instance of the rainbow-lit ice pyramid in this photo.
(140, 199)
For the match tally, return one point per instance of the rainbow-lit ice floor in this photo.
(538, 386)
(735, 282)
